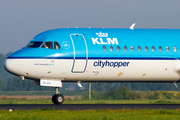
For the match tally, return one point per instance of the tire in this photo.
(53, 99)
(57, 99)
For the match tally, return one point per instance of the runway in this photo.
(87, 106)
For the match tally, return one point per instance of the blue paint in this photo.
(107, 63)
(125, 37)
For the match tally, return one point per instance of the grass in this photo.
(124, 114)
(44, 99)
(49, 114)
(79, 101)
(165, 101)
(42, 93)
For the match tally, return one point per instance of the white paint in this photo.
(94, 40)
(112, 41)
(79, 65)
(105, 41)
(155, 70)
(79, 83)
(65, 45)
(100, 34)
(102, 42)
(132, 26)
(50, 83)
(102, 39)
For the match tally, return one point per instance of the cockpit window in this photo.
(47, 45)
(56, 45)
(34, 44)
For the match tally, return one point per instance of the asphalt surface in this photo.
(87, 106)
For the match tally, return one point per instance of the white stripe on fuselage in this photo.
(117, 70)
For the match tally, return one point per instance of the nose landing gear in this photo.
(57, 98)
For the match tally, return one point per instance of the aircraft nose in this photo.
(14, 66)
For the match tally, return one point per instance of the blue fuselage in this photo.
(125, 37)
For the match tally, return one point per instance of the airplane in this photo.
(98, 54)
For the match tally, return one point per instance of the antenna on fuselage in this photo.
(132, 26)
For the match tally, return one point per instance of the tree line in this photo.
(124, 93)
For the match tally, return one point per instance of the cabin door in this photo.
(80, 53)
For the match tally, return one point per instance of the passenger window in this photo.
(139, 48)
(160, 48)
(125, 48)
(104, 48)
(146, 48)
(175, 48)
(132, 48)
(167, 49)
(56, 45)
(47, 45)
(153, 48)
(111, 48)
(118, 48)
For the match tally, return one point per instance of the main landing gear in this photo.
(57, 98)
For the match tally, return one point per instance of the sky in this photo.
(21, 20)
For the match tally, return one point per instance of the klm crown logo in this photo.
(104, 39)
(100, 34)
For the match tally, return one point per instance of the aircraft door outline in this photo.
(79, 44)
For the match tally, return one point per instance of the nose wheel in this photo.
(57, 98)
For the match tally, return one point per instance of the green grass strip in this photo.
(124, 114)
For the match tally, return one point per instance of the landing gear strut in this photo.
(57, 98)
